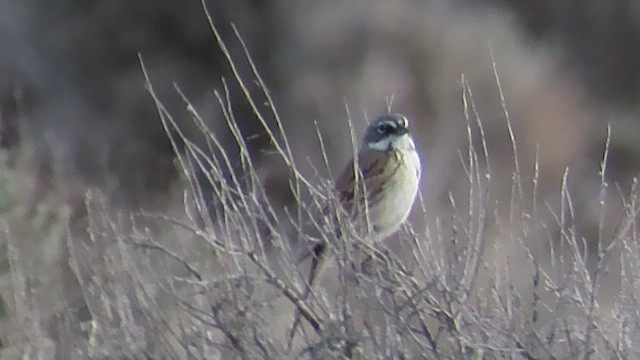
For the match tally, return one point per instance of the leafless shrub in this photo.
(436, 296)
(223, 279)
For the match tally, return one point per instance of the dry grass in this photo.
(486, 279)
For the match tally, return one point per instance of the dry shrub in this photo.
(502, 261)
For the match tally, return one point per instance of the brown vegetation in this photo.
(166, 221)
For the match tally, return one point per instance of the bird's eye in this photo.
(382, 128)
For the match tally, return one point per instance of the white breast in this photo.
(397, 200)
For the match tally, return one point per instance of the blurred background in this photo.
(75, 113)
(71, 82)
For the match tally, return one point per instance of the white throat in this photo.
(403, 143)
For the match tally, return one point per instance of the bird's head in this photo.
(388, 132)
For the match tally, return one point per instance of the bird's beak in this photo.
(401, 131)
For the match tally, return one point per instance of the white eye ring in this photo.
(381, 128)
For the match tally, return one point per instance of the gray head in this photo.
(388, 132)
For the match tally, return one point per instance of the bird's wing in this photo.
(374, 163)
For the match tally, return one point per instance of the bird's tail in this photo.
(318, 254)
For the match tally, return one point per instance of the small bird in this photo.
(379, 197)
